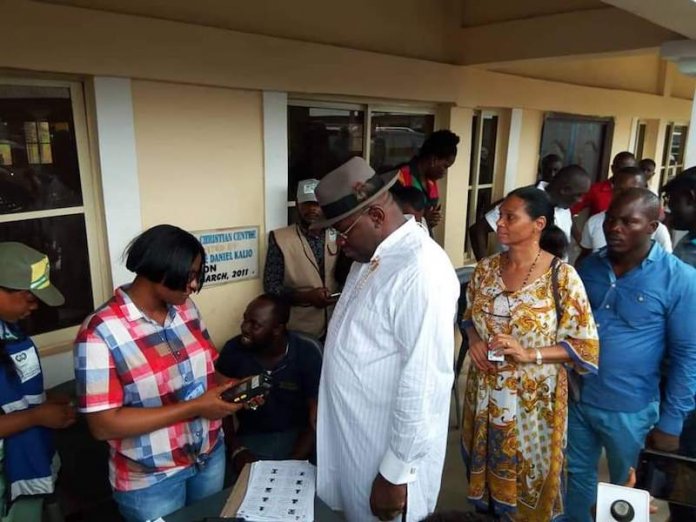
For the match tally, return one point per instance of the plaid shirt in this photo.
(124, 359)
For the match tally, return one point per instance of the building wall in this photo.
(528, 160)
(417, 28)
(197, 95)
(634, 72)
(683, 86)
(200, 166)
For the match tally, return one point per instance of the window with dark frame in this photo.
(41, 199)
(484, 140)
(321, 137)
(673, 151)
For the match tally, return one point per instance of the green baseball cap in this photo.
(23, 268)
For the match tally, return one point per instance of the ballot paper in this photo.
(280, 490)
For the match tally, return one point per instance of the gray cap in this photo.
(23, 268)
(305, 191)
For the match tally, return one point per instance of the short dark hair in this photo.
(631, 171)
(648, 199)
(408, 196)
(554, 241)
(647, 161)
(549, 159)
(280, 304)
(441, 144)
(684, 181)
(164, 254)
(621, 156)
(569, 174)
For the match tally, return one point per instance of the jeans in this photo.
(622, 435)
(198, 481)
(687, 443)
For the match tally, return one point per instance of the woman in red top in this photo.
(437, 154)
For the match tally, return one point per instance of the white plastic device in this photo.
(619, 498)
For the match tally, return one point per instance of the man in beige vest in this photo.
(300, 265)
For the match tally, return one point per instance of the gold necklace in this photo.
(529, 273)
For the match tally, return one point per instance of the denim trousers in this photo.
(590, 430)
(198, 481)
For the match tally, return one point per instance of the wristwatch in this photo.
(539, 359)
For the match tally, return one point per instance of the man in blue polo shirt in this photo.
(283, 427)
(643, 301)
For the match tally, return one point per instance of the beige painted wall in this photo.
(416, 28)
(569, 33)
(530, 139)
(634, 72)
(683, 86)
(475, 12)
(200, 166)
(454, 187)
(81, 42)
(198, 108)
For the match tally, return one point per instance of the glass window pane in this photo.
(678, 145)
(640, 140)
(39, 168)
(64, 240)
(471, 202)
(581, 141)
(480, 200)
(396, 137)
(472, 156)
(319, 140)
(666, 150)
(483, 201)
(488, 142)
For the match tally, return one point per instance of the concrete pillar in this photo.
(690, 152)
(119, 169)
(454, 188)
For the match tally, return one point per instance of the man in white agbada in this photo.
(387, 374)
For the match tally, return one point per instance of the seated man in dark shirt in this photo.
(282, 428)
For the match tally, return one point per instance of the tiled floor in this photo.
(454, 486)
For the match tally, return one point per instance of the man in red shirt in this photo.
(599, 196)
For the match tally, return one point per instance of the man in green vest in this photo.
(300, 265)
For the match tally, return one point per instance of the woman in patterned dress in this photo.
(515, 410)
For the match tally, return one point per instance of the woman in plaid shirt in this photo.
(144, 365)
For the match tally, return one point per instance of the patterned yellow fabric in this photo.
(514, 420)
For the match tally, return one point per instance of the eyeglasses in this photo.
(500, 307)
(343, 236)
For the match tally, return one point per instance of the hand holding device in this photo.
(256, 387)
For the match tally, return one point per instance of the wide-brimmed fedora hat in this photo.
(349, 188)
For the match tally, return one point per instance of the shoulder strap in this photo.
(574, 380)
(555, 266)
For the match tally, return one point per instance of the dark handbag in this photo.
(574, 378)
